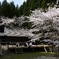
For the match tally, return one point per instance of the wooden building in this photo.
(16, 43)
(13, 39)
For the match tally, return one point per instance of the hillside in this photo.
(45, 26)
(10, 10)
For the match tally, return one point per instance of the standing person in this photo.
(17, 44)
(30, 44)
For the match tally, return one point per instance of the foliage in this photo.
(10, 10)
(35, 4)
(27, 25)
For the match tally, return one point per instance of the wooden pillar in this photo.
(0, 50)
(33, 49)
(45, 49)
(50, 49)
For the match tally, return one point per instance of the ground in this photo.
(27, 55)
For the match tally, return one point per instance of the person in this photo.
(30, 44)
(17, 44)
(26, 44)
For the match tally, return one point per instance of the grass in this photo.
(27, 55)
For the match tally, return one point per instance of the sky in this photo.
(19, 2)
